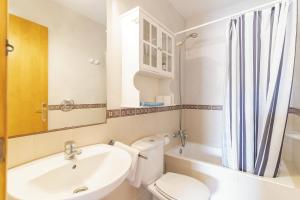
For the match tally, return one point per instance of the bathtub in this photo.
(205, 163)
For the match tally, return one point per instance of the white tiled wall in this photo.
(77, 117)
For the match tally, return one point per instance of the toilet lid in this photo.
(180, 187)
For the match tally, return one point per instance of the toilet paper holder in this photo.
(112, 143)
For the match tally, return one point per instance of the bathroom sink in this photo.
(93, 174)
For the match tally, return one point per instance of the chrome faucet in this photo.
(181, 134)
(71, 151)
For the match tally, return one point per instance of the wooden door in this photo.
(27, 77)
(3, 133)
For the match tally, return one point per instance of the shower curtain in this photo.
(261, 50)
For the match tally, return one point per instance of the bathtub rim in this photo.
(280, 180)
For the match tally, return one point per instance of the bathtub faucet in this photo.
(181, 134)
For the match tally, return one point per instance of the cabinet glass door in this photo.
(157, 48)
(163, 51)
(154, 46)
(166, 53)
(150, 45)
(146, 42)
(170, 54)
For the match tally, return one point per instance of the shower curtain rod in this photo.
(230, 16)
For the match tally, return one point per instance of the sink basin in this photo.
(96, 172)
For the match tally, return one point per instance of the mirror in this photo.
(56, 67)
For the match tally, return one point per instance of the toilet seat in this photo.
(173, 186)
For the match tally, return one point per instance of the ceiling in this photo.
(93, 9)
(96, 9)
(190, 8)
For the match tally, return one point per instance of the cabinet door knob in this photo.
(136, 20)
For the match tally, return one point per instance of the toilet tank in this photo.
(151, 168)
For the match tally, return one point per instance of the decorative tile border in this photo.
(202, 107)
(295, 111)
(79, 106)
(124, 112)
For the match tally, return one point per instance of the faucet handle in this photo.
(69, 143)
(71, 151)
(179, 133)
(185, 135)
(175, 135)
(78, 151)
(69, 146)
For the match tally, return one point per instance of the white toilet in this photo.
(169, 186)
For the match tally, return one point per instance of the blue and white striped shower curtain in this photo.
(261, 50)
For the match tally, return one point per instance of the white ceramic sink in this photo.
(97, 171)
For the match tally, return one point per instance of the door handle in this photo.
(2, 151)
(43, 112)
(9, 47)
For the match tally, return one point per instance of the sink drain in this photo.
(81, 189)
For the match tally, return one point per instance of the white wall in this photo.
(204, 70)
(77, 117)
(204, 77)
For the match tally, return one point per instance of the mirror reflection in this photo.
(57, 69)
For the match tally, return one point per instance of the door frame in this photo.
(3, 88)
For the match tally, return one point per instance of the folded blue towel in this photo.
(151, 104)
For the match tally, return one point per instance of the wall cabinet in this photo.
(154, 42)
(148, 50)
